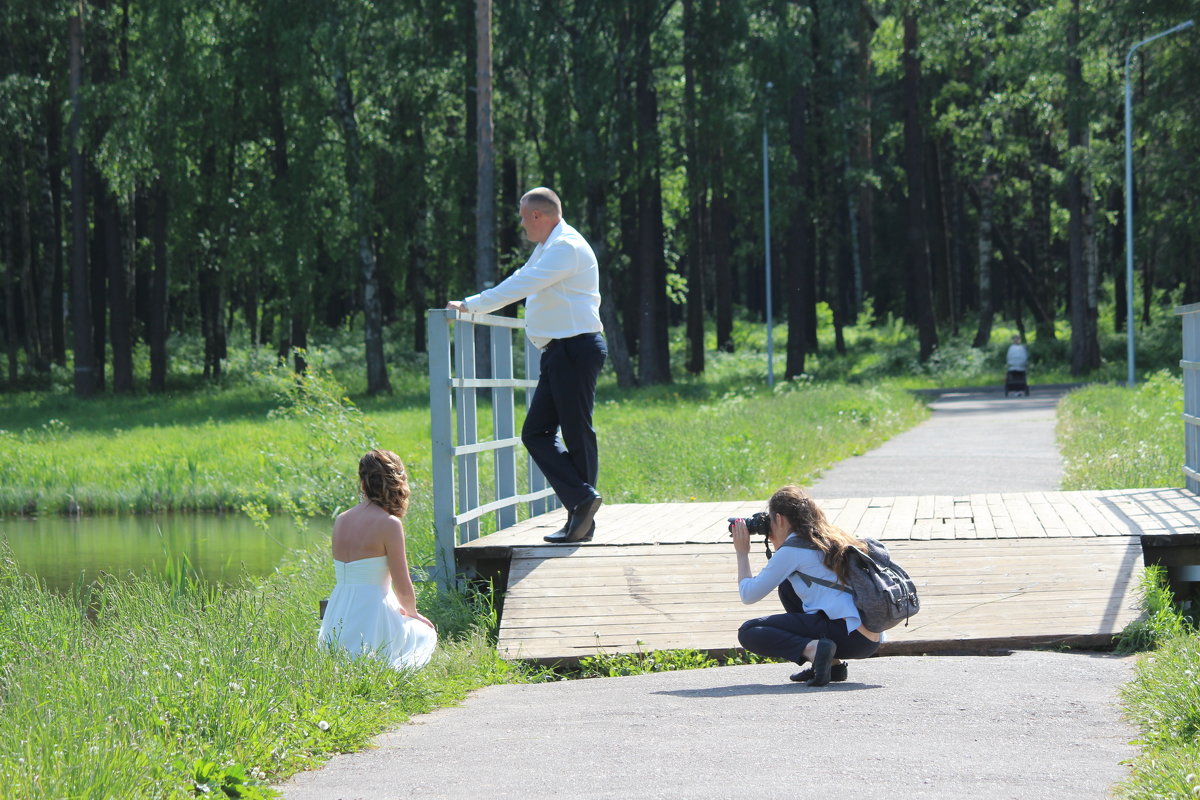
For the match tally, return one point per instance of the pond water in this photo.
(221, 548)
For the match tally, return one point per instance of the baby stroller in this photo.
(1014, 381)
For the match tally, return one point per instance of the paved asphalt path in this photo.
(1022, 725)
(972, 442)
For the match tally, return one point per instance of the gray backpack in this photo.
(883, 592)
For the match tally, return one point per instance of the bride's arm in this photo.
(393, 544)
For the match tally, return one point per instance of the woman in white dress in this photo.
(373, 607)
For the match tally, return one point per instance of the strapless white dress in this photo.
(364, 617)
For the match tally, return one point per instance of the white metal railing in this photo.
(452, 407)
(1191, 394)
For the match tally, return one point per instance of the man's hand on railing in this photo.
(456, 305)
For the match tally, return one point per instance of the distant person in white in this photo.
(1018, 355)
(560, 284)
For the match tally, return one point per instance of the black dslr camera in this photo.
(759, 523)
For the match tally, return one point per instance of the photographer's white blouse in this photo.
(784, 565)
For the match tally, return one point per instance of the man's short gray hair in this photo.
(544, 200)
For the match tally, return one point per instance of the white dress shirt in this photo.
(561, 280)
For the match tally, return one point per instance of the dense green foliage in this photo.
(276, 170)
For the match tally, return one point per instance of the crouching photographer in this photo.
(822, 624)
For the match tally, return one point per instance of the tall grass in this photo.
(172, 684)
(1119, 438)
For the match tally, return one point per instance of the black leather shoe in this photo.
(560, 535)
(822, 662)
(838, 672)
(583, 523)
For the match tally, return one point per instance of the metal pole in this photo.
(1129, 335)
(767, 245)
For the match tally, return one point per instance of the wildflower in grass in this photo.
(323, 725)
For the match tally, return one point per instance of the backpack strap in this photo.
(809, 580)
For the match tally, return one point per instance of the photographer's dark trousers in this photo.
(786, 635)
(564, 398)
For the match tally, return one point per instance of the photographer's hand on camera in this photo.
(741, 536)
(741, 546)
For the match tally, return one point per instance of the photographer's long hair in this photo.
(808, 521)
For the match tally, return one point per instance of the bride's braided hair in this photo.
(384, 481)
(807, 520)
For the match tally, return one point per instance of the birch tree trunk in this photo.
(81, 301)
(377, 378)
(485, 177)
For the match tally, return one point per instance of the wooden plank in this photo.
(851, 514)
(1025, 521)
(943, 507)
(981, 515)
(900, 519)
(1046, 512)
(659, 596)
(1011, 568)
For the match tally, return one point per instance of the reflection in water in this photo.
(222, 548)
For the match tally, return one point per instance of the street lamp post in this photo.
(1129, 195)
(767, 243)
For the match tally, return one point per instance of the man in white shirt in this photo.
(560, 284)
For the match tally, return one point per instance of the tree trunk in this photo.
(987, 310)
(696, 247)
(33, 356)
(1091, 260)
(918, 240)
(721, 245)
(81, 301)
(614, 334)
(947, 284)
(653, 364)
(51, 242)
(864, 156)
(1041, 265)
(98, 276)
(10, 309)
(1084, 345)
(799, 266)
(377, 378)
(55, 228)
(120, 318)
(159, 293)
(485, 177)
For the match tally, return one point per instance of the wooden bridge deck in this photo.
(993, 570)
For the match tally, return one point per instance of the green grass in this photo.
(172, 683)
(1114, 437)
(1163, 699)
